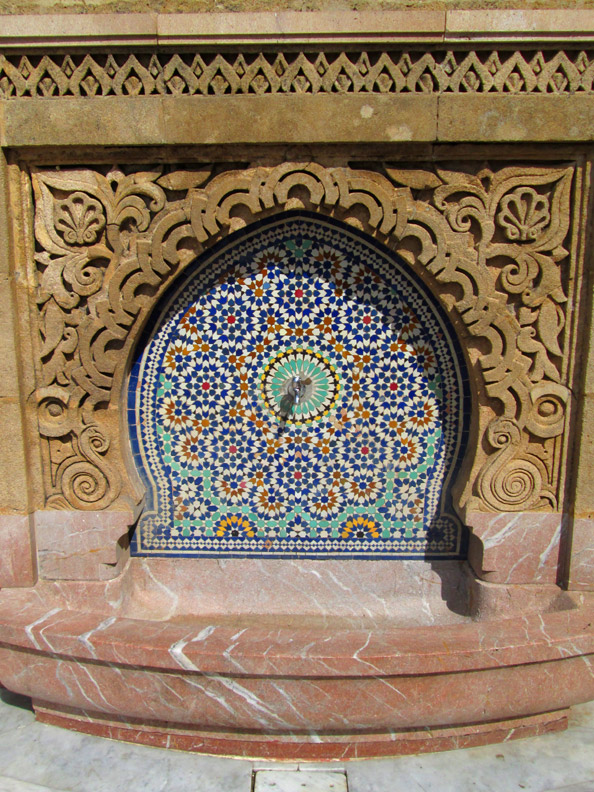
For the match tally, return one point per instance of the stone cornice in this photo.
(270, 29)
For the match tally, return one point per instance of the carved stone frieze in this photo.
(387, 72)
(491, 243)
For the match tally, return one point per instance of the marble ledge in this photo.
(223, 29)
(81, 545)
(293, 704)
(581, 564)
(244, 646)
(336, 748)
(518, 24)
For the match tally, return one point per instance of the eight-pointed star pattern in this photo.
(360, 464)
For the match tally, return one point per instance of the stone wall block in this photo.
(507, 118)
(9, 385)
(581, 570)
(515, 547)
(13, 464)
(77, 545)
(307, 119)
(116, 120)
(17, 563)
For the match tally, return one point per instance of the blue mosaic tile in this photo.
(300, 394)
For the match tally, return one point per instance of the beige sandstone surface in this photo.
(185, 6)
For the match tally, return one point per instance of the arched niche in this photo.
(299, 392)
(501, 284)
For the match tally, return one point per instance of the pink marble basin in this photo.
(139, 662)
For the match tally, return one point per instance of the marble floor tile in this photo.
(63, 761)
(15, 785)
(538, 764)
(299, 781)
(587, 786)
(35, 757)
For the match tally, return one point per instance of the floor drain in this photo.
(299, 781)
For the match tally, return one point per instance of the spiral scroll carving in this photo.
(493, 237)
(83, 485)
(510, 481)
(87, 483)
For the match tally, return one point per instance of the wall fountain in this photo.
(298, 417)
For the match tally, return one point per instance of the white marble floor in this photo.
(39, 758)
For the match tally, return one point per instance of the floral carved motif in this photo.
(79, 219)
(524, 214)
(491, 243)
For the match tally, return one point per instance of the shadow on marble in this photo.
(15, 712)
(15, 700)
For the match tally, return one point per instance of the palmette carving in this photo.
(79, 219)
(524, 214)
(493, 239)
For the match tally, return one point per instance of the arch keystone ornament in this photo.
(490, 243)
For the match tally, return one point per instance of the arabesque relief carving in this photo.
(491, 243)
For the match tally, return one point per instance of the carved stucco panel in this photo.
(490, 243)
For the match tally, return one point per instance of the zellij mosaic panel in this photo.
(300, 394)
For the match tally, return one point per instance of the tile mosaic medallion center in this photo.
(299, 393)
(300, 385)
